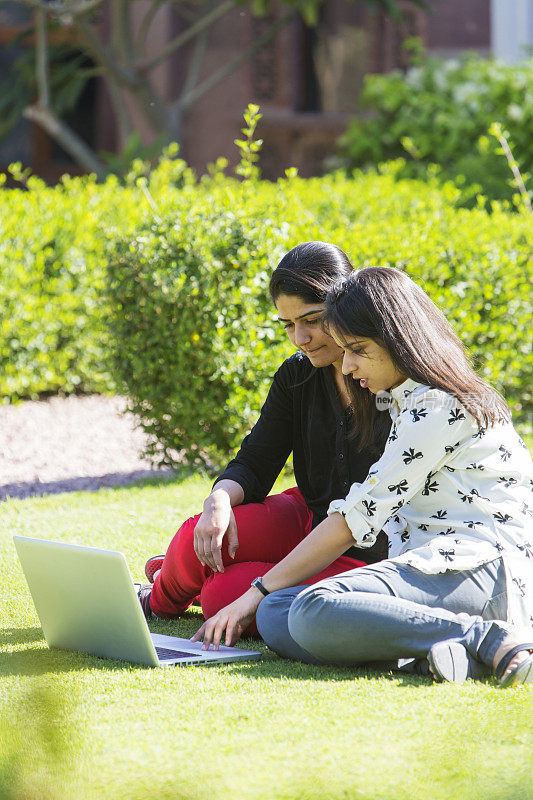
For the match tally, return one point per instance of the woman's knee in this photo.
(182, 543)
(272, 623)
(271, 620)
(308, 618)
(222, 588)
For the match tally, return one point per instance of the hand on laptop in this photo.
(231, 620)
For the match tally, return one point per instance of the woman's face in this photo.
(369, 363)
(302, 321)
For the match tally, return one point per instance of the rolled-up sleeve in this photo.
(427, 433)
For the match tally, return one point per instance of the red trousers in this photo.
(267, 532)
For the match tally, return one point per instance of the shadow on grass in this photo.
(45, 661)
(42, 660)
(111, 480)
(272, 666)
(36, 661)
(20, 635)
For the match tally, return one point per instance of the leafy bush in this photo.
(194, 341)
(158, 288)
(53, 335)
(440, 111)
(51, 332)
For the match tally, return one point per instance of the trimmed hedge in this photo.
(194, 338)
(440, 112)
(167, 301)
(53, 334)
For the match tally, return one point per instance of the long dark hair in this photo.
(309, 270)
(385, 305)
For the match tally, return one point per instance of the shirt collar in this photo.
(401, 392)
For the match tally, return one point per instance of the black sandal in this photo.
(144, 598)
(523, 673)
(451, 662)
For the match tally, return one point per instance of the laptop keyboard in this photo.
(165, 652)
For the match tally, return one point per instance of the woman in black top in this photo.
(241, 531)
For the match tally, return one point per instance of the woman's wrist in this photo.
(223, 493)
(255, 596)
(217, 499)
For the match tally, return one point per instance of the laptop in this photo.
(86, 600)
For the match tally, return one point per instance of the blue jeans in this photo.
(387, 612)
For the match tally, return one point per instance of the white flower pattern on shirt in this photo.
(441, 476)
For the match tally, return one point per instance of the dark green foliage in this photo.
(159, 287)
(195, 347)
(440, 112)
(51, 324)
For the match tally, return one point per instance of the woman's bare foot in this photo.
(517, 659)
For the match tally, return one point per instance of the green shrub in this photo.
(53, 334)
(440, 111)
(194, 342)
(158, 288)
(195, 346)
(51, 326)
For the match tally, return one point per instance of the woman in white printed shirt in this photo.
(452, 490)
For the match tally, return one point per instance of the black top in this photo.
(303, 414)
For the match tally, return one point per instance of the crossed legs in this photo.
(267, 532)
(385, 612)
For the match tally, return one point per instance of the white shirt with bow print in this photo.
(451, 495)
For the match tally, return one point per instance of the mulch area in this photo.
(72, 443)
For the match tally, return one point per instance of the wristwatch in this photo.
(258, 583)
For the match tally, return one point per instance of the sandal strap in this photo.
(502, 666)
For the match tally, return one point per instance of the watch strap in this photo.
(258, 583)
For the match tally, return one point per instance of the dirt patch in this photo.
(69, 444)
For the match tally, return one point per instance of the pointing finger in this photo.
(199, 634)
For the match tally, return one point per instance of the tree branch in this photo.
(186, 100)
(125, 76)
(122, 29)
(190, 33)
(196, 62)
(154, 110)
(121, 110)
(102, 54)
(67, 138)
(41, 66)
(146, 23)
(514, 168)
(106, 58)
(42, 114)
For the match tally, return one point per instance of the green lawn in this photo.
(73, 726)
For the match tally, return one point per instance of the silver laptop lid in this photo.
(85, 600)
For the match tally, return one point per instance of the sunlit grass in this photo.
(73, 726)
